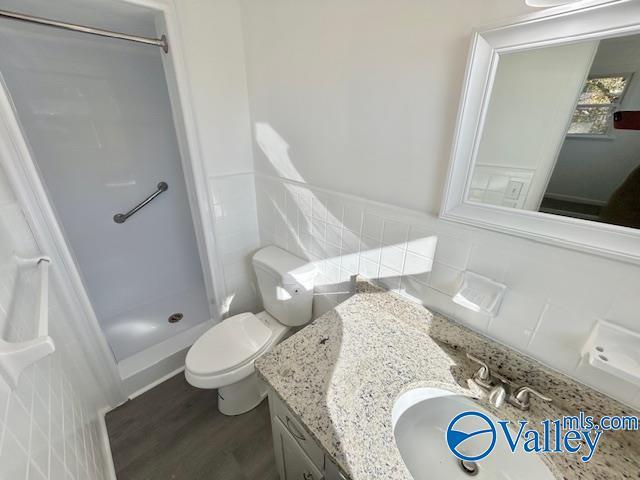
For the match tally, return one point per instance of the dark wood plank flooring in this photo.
(175, 431)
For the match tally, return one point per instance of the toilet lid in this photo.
(228, 344)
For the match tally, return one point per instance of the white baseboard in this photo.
(106, 446)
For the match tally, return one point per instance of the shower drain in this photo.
(175, 317)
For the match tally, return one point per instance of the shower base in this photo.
(148, 347)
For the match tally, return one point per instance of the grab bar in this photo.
(122, 217)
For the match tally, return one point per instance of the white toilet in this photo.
(223, 357)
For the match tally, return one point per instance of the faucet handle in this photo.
(483, 372)
(521, 397)
(497, 396)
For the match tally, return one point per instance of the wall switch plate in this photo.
(514, 188)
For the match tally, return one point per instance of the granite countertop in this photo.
(341, 375)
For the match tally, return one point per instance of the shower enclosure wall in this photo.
(97, 116)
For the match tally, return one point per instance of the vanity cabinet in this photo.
(296, 464)
(298, 456)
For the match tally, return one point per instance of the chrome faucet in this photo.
(483, 375)
(499, 388)
(520, 398)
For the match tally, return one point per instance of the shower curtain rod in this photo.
(160, 42)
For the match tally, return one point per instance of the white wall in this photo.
(212, 35)
(214, 48)
(48, 425)
(353, 103)
(363, 86)
(591, 169)
(533, 96)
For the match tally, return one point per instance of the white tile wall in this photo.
(48, 425)
(236, 232)
(553, 298)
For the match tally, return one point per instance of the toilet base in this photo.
(242, 396)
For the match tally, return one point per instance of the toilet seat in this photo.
(225, 354)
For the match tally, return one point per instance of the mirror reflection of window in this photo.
(597, 173)
(549, 141)
(600, 97)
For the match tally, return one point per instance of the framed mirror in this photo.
(547, 144)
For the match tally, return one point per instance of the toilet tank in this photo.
(286, 285)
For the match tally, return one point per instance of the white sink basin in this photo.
(420, 421)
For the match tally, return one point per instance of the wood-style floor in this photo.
(175, 431)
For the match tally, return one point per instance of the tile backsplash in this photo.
(236, 232)
(554, 296)
(49, 423)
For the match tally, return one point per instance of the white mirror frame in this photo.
(587, 20)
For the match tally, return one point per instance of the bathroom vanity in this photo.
(298, 455)
(334, 389)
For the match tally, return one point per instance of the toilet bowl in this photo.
(224, 356)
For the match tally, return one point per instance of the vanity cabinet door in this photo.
(296, 465)
(331, 471)
(297, 431)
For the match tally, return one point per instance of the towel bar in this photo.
(16, 356)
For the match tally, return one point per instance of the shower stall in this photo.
(97, 116)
